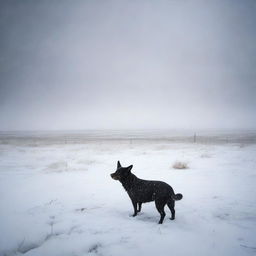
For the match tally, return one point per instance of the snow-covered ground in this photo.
(59, 199)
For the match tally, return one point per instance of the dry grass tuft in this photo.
(180, 165)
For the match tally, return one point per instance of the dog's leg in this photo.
(139, 206)
(160, 207)
(135, 208)
(171, 204)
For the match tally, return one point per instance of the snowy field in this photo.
(58, 199)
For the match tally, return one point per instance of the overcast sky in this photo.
(175, 64)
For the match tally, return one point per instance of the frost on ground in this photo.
(59, 200)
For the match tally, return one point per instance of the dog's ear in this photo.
(118, 164)
(129, 168)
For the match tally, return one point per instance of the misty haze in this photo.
(167, 86)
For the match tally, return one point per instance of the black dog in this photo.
(142, 191)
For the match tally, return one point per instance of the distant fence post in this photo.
(194, 137)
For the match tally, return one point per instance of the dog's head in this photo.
(121, 172)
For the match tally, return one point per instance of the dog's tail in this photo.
(177, 197)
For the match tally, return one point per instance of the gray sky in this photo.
(174, 64)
